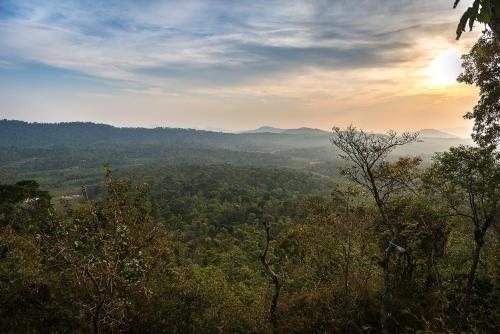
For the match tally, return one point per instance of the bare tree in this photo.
(368, 157)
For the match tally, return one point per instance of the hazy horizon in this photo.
(455, 132)
(203, 64)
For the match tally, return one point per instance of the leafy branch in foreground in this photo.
(483, 11)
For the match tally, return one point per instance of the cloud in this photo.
(212, 43)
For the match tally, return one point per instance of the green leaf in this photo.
(463, 22)
(485, 14)
(473, 15)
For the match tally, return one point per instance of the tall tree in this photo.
(482, 69)
(370, 167)
(468, 178)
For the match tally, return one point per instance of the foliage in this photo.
(24, 206)
(107, 249)
(181, 250)
(468, 179)
(483, 11)
(482, 68)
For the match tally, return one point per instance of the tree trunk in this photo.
(464, 318)
(495, 27)
(384, 298)
(347, 265)
(96, 321)
(387, 289)
(274, 303)
(438, 283)
(274, 277)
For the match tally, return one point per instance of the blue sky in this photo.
(232, 64)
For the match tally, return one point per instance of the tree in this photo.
(108, 248)
(484, 11)
(347, 206)
(468, 179)
(370, 167)
(24, 206)
(333, 242)
(21, 280)
(424, 225)
(482, 68)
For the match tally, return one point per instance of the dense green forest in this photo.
(62, 157)
(23, 134)
(178, 249)
(130, 230)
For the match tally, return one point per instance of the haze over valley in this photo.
(46, 152)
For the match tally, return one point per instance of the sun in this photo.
(444, 68)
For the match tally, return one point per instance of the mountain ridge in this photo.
(301, 130)
(433, 133)
(23, 134)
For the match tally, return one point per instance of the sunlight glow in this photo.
(444, 69)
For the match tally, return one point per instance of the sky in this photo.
(235, 65)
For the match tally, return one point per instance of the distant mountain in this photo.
(304, 130)
(461, 131)
(424, 133)
(212, 129)
(433, 133)
(265, 129)
(298, 131)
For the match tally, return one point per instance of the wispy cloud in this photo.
(213, 42)
(4, 63)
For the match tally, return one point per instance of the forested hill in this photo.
(19, 133)
(22, 134)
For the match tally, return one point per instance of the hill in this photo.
(432, 133)
(298, 131)
(265, 129)
(306, 131)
